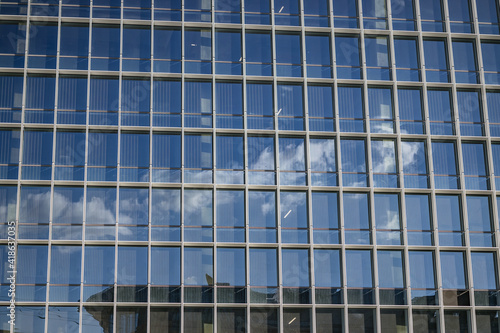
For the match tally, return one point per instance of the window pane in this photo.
(320, 107)
(101, 269)
(464, 59)
(11, 98)
(327, 271)
(167, 49)
(387, 219)
(390, 269)
(414, 164)
(377, 57)
(491, 63)
(103, 102)
(166, 158)
(449, 219)
(263, 267)
(403, 15)
(288, 55)
(422, 270)
(436, 63)
(198, 215)
(231, 267)
(63, 319)
(68, 205)
(453, 270)
(165, 266)
(406, 54)
(134, 157)
(228, 53)
(261, 160)
(493, 101)
(72, 104)
(380, 107)
(102, 156)
(474, 166)
(445, 167)
(262, 216)
(348, 57)
(410, 111)
(356, 218)
(359, 269)
(487, 12)
(353, 156)
(325, 217)
(460, 16)
(292, 161)
(290, 107)
(230, 216)
(198, 51)
(37, 155)
(346, 13)
(167, 103)
(294, 222)
(295, 268)
(132, 265)
(135, 103)
(432, 15)
(106, 47)
(229, 102)
(40, 99)
(418, 220)
(318, 56)
(484, 270)
(351, 112)
(136, 48)
(101, 205)
(384, 163)
(230, 152)
(198, 155)
(198, 266)
(323, 164)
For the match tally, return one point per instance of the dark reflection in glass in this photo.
(74, 46)
(9, 159)
(391, 278)
(162, 319)
(132, 277)
(425, 321)
(131, 318)
(345, 13)
(197, 50)
(264, 320)
(327, 275)
(65, 273)
(359, 277)
(231, 275)
(362, 320)
(329, 320)
(297, 320)
(457, 321)
(487, 321)
(12, 50)
(42, 45)
(99, 274)
(393, 320)
(263, 276)
(228, 57)
(105, 47)
(97, 319)
(198, 275)
(484, 278)
(231, 320)
(63, 319)
(198, 320)
(165, 274)
(136, 48)
(30, 319)
(422, 279)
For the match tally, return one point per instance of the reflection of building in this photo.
(264, 166)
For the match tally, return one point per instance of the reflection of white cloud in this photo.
(384, 157)
(198, 176)
(292, 156)
(65, 210)
(265, 160)
(133, 206)
(322, 155)
(381, 127)
(98, 213)
(198, 207)
(410, 151)
(390, 220)
(35, 205)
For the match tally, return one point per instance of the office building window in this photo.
(493, 102)
(407, 64)
(470, 113)
(377, 58)
(464, 58)
(487, 14)
(411, 118)
(436, 62)
(491, 64)
(403, 15)
(351, 110)
(449, 220)
(475, 173)
(460, 17)
(445, 165)
(167, 49)
(418, 219)
(431, 12)
(348, 57)
(414, 164)
(259, 58)
(318, 56)
(440, 112)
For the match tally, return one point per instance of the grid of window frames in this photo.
(264, 166)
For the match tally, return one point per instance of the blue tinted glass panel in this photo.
(493, 102)
(443, 156)
(377, 58)
(165, 206)
(390, 269)
(65, 265)
(198, 266)
(167, 50)
(9, 153)
(42, 45)
(288, 55)
(258, 54)
(40, 94)
(37, 155)
(432, 15)
(72, 97)
(8, 199)
(422, 269)
(68, 205)
(132, 265)
(353, 156)
(318, 56)
(351, 112)
(11, 98)
(407, 63)
(448, 212)
(380, 108)
(106, 47)
(74, 46)
(263, 267)
(359, 269)
(230, 208)
(470, 113)
(34, 204)
(417, 212)
(12, 43)
(473, 155)
(478, 212)
(101, 205)
(487, 12)
(228, 53)
(295, 268)
(231, 267)
(101, 269)
(229, 98)
(464, 59)
(436, 63)
(198, 51)
(460, 16)
(165, 266)
(346, 13)
(347, 51)
(491, 63)
(198, 151)
(453, 270)
(133, 206)
(483, 270)
(356, 215)
(32, 264)
(327, 271)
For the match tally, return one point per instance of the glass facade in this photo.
(266, 166)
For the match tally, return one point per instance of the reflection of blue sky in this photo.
(165, 206)
(322, 152)
(261, 153)
(101, 206)
(133, 206)
(292, 154)
(230, 208)
(68, 205)
(198, 207)
(293, 209)
(383, 156)
(356, 211)
(353, 155)
(387, 211)
(414, 160)
(262, 209)
(8, 198)
(198, 263)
